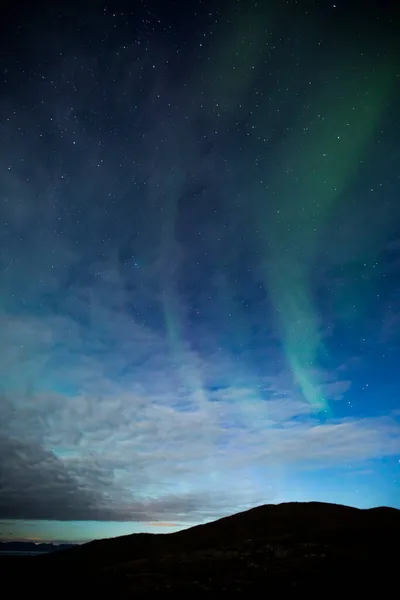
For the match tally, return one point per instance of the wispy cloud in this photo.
(126, 437)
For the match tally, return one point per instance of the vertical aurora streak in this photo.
(319, 162)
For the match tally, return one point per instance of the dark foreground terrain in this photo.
(310, 548)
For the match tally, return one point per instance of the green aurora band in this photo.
(333, 137)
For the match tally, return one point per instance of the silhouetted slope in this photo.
(287, 520)
(293, 546)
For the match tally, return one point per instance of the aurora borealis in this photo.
(200, 261)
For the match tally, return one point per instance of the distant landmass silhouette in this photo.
(33, 547)
(290, 547)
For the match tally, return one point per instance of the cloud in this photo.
(128, 436)
(35, 485)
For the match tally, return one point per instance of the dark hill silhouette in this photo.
(289, 547)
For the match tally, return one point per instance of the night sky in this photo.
(199, 262)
